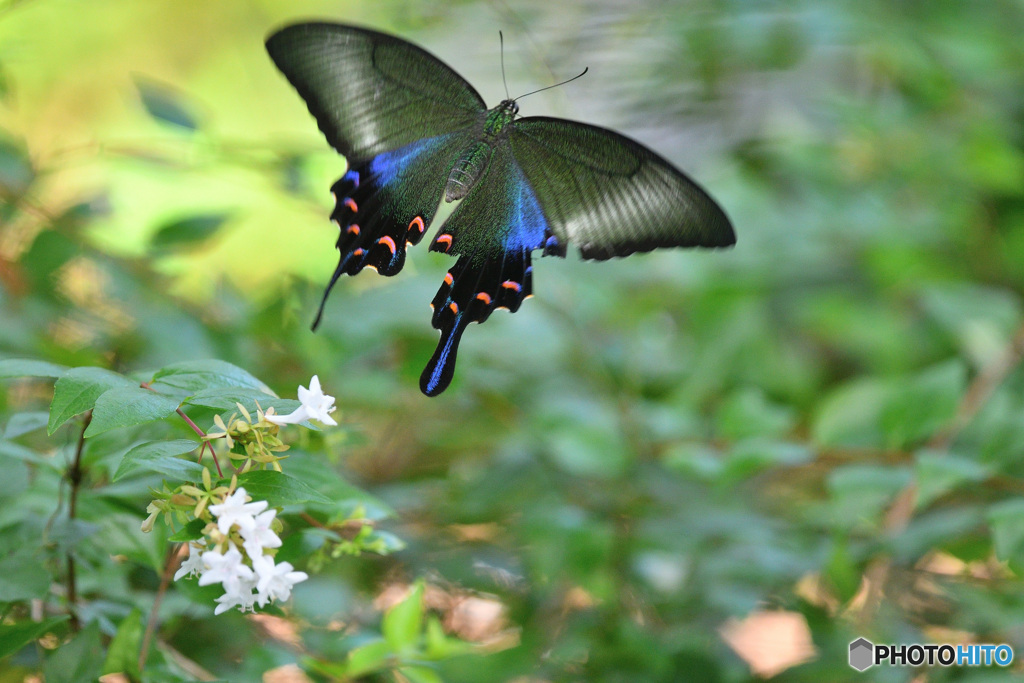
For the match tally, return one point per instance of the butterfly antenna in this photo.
(501, 40)
(585, 70)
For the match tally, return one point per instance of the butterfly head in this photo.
(499, 118)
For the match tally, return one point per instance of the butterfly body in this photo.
(414, 133)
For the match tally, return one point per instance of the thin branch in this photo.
(901, 511)
(200, 432)
(980, 390)
(74, 476)
(197, 430)
(174, 554)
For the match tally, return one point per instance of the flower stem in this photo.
(74, 476)
(200, 432)
(197, 430)
(174, 553)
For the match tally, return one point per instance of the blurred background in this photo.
(706, 466)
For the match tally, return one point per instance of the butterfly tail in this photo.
(441, 368)
(369, 237)
(327, 291)
(471, 291)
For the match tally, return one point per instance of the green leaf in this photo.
(77, 660)
(165, 104)
(160, 456)
(402, 623)
(14, 451)
(23, 577)
(372, 657)
(129, 406)
(861, 492)
(198, 375)
(1006, 520)
(850, 416)
(441, 646)
(15, 478)
(15, 636)
(192, 531)
(841, 572)
(225, 398)
(343, 497)
(924, 404)
(938, 473)
(420, 674)
(384, 542)
(751, 456)
(26, 367)
(694, 460)
(748, 413)
(25, 423)
(982, 319)
(123, 655)
(279, 489)
(187, 233)
(590, 451)
(77, 390)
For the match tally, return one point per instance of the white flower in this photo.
(259, 535)
(240, 596)
(194, 564)
(226, 569)
(234, 510)
(316, 405)
(275, 581)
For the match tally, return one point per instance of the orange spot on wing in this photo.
(446, 240)
(417, 223)
(448, 279)
(484, 296)
(389, 242)
(353, 229)
(351, 203)
(454, 306)
(358, 252)
(509, 284)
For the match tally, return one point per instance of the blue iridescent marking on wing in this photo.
(438, 373)
(390, 166)
(374, 203)
(527, 226)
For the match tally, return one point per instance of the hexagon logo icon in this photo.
(861, 654)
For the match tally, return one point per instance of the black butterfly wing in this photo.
(399, 115)
(371, 92)
(611, 196)
(493, 232)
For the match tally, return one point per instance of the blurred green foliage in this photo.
(827, 420)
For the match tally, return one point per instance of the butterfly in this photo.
(413, 132)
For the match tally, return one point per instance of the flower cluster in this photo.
(243, 531)
(239, 536)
